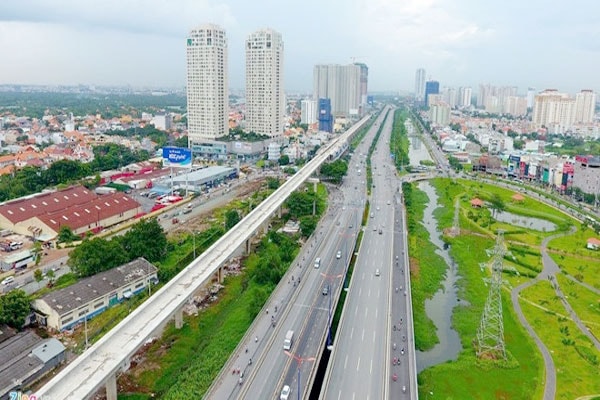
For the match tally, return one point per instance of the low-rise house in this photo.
(65, 308)
(593, 244)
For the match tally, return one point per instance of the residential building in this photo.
(585, 106)
(364, 85)
(274, 151)
(439, 114)
(162, 121)
(431, 87)
(64, 308)
(515, 105)
(308, 111)
(341, 84)
(450, 96)
(553, 110)
(207, 84)
(464, 96)
(530, 97)
(265, 100)
(420, 85)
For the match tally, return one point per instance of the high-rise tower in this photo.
(265, 100)
(207, 84)
(420, 85)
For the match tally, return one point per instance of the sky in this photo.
(523, 43)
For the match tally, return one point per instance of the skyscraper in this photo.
(207, 84)
(431, 87)
(585, 104)
(265, 101)
(554, 110)
(420, 85)
(341, 84)
(308, 111)
(464, 96)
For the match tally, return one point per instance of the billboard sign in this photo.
(177, 157)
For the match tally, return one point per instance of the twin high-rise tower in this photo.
(208, 88)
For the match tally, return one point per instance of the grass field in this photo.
(585, 303)
(467, 378)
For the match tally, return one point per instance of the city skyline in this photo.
(458, 43)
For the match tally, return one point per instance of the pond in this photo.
(537, 224)
(440, 307)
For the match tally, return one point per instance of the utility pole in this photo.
(490, 335)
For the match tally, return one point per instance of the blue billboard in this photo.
(177, 157)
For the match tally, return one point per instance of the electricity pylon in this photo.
(490, 335)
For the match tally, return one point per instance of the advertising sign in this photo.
(177, 157)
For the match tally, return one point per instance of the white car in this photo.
(377, 272)
(339, 254)
(285, 393)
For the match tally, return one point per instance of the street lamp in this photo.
(299, 360)
(329, 278)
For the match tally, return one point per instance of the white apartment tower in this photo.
(554, 110)
(265, 101)
(207, 84)
(308, 111)
(464, 96)
(585, 104)
(420, 85)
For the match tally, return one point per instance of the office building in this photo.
(308, 111)
(420, 85)
(207, 84)
(431, 87)
(341, 84)
(265, 100)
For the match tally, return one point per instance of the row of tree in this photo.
(334, 171)
(145, 239)
(33, 179)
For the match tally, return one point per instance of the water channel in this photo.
(537, 224)
(439, 308)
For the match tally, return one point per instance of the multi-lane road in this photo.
(370, 358)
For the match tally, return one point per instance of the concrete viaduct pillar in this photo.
(179, 318)
(111, 388)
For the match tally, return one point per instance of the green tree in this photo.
(497, 204)
(300, 203)
(38, 275)
(50, 275)
(14, 308)
(96, 255)
(272, 183)
(232, 217)
(284, 160)
(145, 239)
(308, 224)
(66, 235)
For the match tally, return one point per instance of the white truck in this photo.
(289, 339)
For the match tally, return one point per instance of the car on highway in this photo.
(377, 273)
(380, 231)
(377, 208)
(339, 254)
(8, 280)
(285, 393)
(325, 290)
(372, 215)
(389, 202)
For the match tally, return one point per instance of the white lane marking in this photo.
(339, 394)
(376, 312)
(373, 336)
(359, 292)
(366, 311)
(352, 333)
(363, 336)
(356, 311)
(371, 369)
(379, 293)
(358, 365)
(369, 293)
(346, 361)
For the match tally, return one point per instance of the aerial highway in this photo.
(305, 309)
(99, 365)
(373, 356)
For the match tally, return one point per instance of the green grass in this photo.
(467, 378)
(585, 303)
(574, 375)
(427, 271)
(584, 269)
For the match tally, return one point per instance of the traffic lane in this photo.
(369, 315)
(267, 378)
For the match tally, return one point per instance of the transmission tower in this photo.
(455, 230)
(490, 335)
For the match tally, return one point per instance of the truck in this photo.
(289, 339)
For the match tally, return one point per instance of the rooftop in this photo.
(72, 297)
